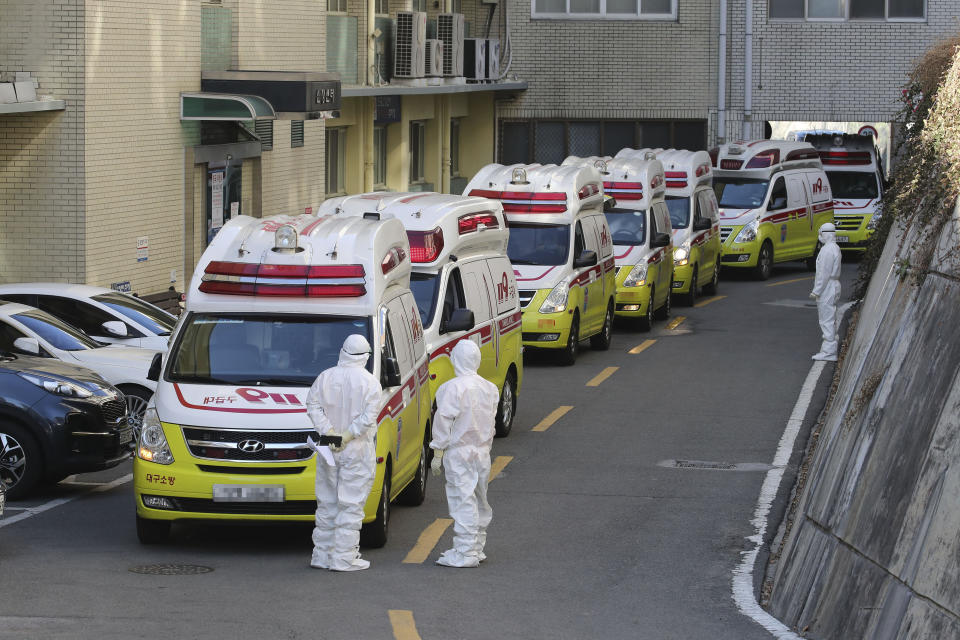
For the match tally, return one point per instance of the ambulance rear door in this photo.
(801, 221)
(594, 284)
(710, 246)
(663, 260)
(477, 285)
(399, 329)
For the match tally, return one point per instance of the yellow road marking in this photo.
(498, 464)
(640, 347)
(603, 375)
(426, 542)
(673, 324)
(704, 303)
(777, 284)
(555, 415)
(403, 625)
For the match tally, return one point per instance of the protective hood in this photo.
(828, 233)
(465, 357)
(355, 351)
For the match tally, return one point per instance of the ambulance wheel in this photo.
(152, 531)
(711, 289)
(569, 354)
(415, 492)
(507, 407)
(690, 298)
(373, 535)
(664, 311)
(601, 341)
(764, 268)
(646, 322)
(812, 260)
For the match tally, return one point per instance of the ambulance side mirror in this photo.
(154, 372)
(391, 372)
(587, 258)
(460, 320)
(662, 240)
(702, 224)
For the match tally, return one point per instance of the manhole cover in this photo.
(171, 569)
(714, 466)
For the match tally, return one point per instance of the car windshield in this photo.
(546, 244)
(740, 193)
(856, 185)
(627, 226)
(152, 318)
(58, 333)
(261, 350)
(424, 288)
(679, 207)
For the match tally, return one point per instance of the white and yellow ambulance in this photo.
(462, 280)
(269, 306)
(640, 228)
(561, 252)
(773, 197)
(853, 168)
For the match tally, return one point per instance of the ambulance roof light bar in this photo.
(425, 246)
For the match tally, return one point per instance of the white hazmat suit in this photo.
(344, 401)
(463, 432)
(826, 291)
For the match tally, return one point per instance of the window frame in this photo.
(381, 4)
(420, 141)
(379, 154)
(603, 15)
(338, 10)
(454, 147)
(341, 134)
(846, 17)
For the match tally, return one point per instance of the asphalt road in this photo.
(595, 534)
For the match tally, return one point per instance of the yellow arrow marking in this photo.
(426, 542)
(777, 284)
(704, 303)
(673, 324)
(555, 415)
(403, 625)
(498, 464)
(640, 347)
(603, 375)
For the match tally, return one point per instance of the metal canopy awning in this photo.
(224, 106)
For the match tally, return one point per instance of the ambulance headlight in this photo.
(285, 239)
(748, 233)
(637, 276)
(153, 445)
(681, 255)
(873, 222)
(557, 300)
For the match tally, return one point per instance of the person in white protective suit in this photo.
(343, 401)
(463, 431)
(826, 291)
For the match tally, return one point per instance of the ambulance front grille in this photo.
(725, 233)
(847, 223)
(257, 446)
(526, 297)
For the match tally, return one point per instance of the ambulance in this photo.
(640, 228)
(269, 306)
(773, 197)
(462, 280)
(561, 252)
(856, 179)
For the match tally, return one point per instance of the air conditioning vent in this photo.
(450, 30)
(409, 44)
(475, 58)
(434, 58)
(493, 59)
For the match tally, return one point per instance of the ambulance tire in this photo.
(601, 341)
(764, 268)
(373, 535)
(711, 288)
(664, 311)
(690, 298)
(646, 322)
(812, 260)
(507, 407)
(568, 356)
(414, 493)
(152, 531)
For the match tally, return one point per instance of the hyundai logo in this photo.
(250, 446)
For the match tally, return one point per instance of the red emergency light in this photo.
(624, 190)
(253, 274)
(472, 221)
(530, 201)
(764, 159)
(802, 154)
(730, 164)
(425, 246)
(588, 190)
(676, 179)
(703, 170)
(845, 157)
(392, 260)
(714, 153)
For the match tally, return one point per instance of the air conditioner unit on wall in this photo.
(475, 58)
(409, 44)
(493, 59)
(450, 32)
(434, 59)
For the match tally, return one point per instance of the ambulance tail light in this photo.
(392, 260)
(473, 221)
(845, 157)
(624, 190)
(764, 160)
(527, 201)
(425, 246)
(676, 179)
(730, 164)
(714, 153)
(268, 280)
(588, 190)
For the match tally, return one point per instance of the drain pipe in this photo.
(371, 42)
(748, 73)
(722, 77)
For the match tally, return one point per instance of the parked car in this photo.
(29, 331)
(103, 314)
(56, 419)
(3, 496)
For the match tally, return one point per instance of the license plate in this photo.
(247, 493)
(126, 436)
(843, 238)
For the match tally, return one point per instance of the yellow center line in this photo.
(426, 542)
(777, 284)
(498, 464)
(673, 324)
(403, 625)
(643, 345)
(555, 415)
(704, 303)
(603, 375)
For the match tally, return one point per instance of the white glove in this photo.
(814, 296)
(344, 439)
(437, 463)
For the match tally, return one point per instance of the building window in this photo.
(891, 10)
(296, 133)
(264, 130)
(381, 7)
(605, 9)
(456, 6)
(550, 141)
(379, 156)
(337, 6)
(417, 130)
(419, 5)
(336, 161)
(454, 147)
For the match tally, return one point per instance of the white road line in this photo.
(46, 506)
(743, 574)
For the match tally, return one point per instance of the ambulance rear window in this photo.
(546, 244)
(856, 185)
(679, 207)
(740, 193)
(424, 288)
(628, 227)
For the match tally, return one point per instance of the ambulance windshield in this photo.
(679, 207)
(546, 244)
(424, 288)
(740, 193)
(259, 349)
(627, 226)
(856, 185)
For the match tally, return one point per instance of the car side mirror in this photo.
(154, 372)
(660, 240)
(778, 202)
(391, 372)
(28, 346)
(702, 224)
(460, 320)
(587, 258)
(115, 328)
